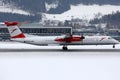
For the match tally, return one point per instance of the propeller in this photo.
(82, 37)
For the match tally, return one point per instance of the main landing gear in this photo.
(114, 46)
(65, 47)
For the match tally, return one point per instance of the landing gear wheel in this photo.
(113, 46)
(65, 48)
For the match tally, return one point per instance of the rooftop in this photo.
(35, 25)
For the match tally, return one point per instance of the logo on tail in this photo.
(14, 30)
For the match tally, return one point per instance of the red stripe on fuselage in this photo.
(19, 36)
(71, 39)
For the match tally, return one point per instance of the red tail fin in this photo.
(13, 29)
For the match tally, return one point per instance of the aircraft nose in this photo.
(116, 42)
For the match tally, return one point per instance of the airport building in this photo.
(36, 29)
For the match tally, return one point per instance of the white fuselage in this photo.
(46, 40)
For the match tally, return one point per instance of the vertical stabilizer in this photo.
(13, 29)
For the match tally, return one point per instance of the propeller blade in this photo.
(82, 37)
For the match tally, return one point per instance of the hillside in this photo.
(30, 8)
(111, 19)
(84, 12)
(62, 5)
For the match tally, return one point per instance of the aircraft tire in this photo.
(65, 48)
(113, 46)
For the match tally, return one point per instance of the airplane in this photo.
(17, 35)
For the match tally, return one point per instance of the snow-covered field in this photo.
(11, 8)
(84, 12)
(51, 63)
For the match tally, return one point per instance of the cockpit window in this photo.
(109, 38)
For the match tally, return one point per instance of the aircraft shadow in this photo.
(59, 50)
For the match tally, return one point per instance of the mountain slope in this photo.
(36, 7)
(9, 7)
(84, 12)
(63, 5)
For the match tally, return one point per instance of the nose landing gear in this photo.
(114, 46)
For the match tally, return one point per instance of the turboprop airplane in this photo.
(64, 40)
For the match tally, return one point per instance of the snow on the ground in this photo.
(53, 5)
(10, 8)
(57, 66)
(84, 12)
